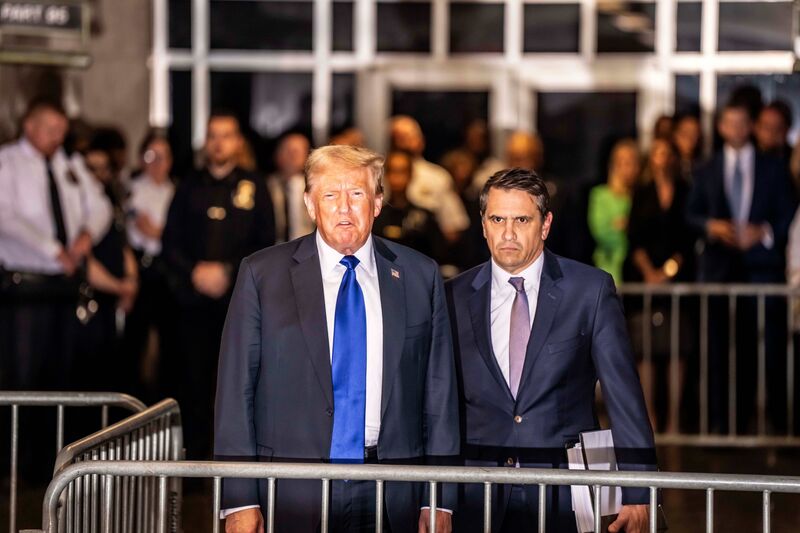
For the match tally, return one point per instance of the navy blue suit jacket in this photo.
(773, 202)
(578, 336)
(275, 394)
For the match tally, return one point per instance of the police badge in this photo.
(245, 195)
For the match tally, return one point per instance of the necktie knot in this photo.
(350, 262)
(518, 284)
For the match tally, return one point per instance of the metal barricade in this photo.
(59, 400)
(433, 475)
(729, 295)
(107, 504)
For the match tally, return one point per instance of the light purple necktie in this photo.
(520, 332)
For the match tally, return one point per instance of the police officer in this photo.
(218, 216)
(51, 213)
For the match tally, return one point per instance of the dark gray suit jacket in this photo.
(274, 391)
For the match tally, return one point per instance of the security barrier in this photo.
(162, 472)
(59, 400)
(706, 303)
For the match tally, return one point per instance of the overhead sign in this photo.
(42, 16)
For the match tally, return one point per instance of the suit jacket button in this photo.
(510, 461)
(518, 419)
(329, 412)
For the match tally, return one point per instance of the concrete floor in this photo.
(685, 510)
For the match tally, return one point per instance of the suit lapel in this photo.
(755, 200)
(480, 314)
(393, 310)
(310, 300)
(547, 304)
(719, 191)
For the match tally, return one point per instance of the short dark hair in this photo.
(41, 103)
(781, 108)
(518, 179)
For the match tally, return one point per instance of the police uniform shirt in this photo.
(221, 220)
(28, 240)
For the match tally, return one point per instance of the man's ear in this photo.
(309, 206)
(378, 205)
(548, 221)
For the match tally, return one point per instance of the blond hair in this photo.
(345, 157)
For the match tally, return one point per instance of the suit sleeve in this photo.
(697, 207)
(239, 363)
(442, 436)
(613, 359)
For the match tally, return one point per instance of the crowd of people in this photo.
(120, 279)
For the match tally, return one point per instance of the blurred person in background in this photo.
(150, 196)
(400, 219)
(247, 157)
(286, 187)
(610, 206)
(687, 136)
(111, 140)
(772, 129)
(350, 136)
(663, 127)
(469, 250)
(742, 205)
(431, 187)
(51, 214)
(661, 250)
(113, 274)
(477, 142)
(219, 215)
(794, 166)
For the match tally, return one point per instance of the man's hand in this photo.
(444, 521)
(723, 231)
(631, 519)
(81, 247)
(211, 279)
(245, 521)
(129, 288)
(66, 262)
(749, 235)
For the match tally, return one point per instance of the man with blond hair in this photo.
(336, 349)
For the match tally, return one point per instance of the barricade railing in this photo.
(433, 475)
(125, 503)
(59, 400)
(700, 298)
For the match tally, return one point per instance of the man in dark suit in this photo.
(532, 333)
(742, 203)
(336, 348)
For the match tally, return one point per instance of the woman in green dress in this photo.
(610, 205)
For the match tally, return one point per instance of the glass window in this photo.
(342, 27)
(625, 26)
(443, 115)
(180, 23)
(689, 26)
(268, 104)
(552, 28)
(687, 94)
(476, 27)
(343, 101)
(579, 129)
(404, 27)
(253, 25)
(746, 26)
(180, 126)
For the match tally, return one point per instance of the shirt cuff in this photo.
(225, 513)
(768, 240)
(448, 511)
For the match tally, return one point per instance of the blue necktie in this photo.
(736, 188)
(349, 369)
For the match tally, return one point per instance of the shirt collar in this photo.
(29, 149)
(329, 258)
(532, 275)
(744, 153)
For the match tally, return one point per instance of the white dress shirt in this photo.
(747, 164)
(28, 239)
(150, 198)
(432, 188)
(503, 294)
